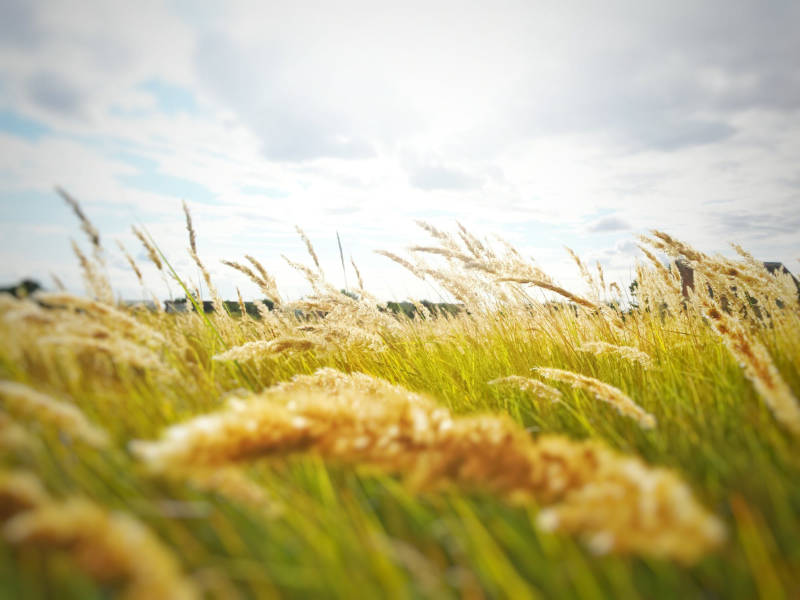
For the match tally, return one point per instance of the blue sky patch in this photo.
(15, 124)
(161, 183)
(170, 99)
(137, 160)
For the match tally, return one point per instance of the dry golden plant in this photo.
(131, 262)
(726, 279)
(19, 491)
(26, 403)
(536, 387)
(222, 316)
(86, 225)
(601, 391)
(483, 279)
(335, 319)
(630, 353)
(584, 271)
(756, 363)
(152, 252)
(232, 483)
(111, 317)
(95, 278)
(118, 350)
(96, 282)
(360, 420)
(267, 280)
(112, 547)
(190, 227)
(260, 349)
(262, 279)
(630, 507)
(13, 436)
(310, 248)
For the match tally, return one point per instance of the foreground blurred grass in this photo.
(334, 531)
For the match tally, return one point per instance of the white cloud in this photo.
(548, 123)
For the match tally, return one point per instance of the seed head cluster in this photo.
(601, 391)
(356, 419)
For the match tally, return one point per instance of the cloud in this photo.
(756, 225)
(18, 26)
(355, 117)
(54, 92)
(608, 224)
(651, 76)
(433, 177)
(289, 109)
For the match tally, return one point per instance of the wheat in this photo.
(630, 353)
(553, 288)
(26, 403)
(120, 351)
(601, 278)
(310, 248)
(587, 277)
(20, 491)
(13, 436)
(603, 392)
(152, 252)
(757, 364)
(446, 239)
(363, 421)
(536, 387)
(112, 317)
(259, 349)
(605, 514)
(86, 225)
(110, 546)
(231, 483)
(96, 282)
(267, 281)
(131, 262)
(190, 228)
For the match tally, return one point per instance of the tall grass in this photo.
(351, 452)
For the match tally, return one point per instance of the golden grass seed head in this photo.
(602, 391)
(27, 403)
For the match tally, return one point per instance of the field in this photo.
(540, 443)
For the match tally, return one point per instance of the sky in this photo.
(551, 124)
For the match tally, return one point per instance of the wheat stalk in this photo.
(757, 365)
(26, 403)
(536, 387)
(360, 420)
(259, 349)
(599, 348)
(109, 546)
(603, 392)
(152, 252)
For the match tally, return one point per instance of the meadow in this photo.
(537, 443)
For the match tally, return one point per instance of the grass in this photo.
(340, 529)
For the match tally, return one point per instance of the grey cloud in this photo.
(441, 178)
(755, 225)
(285, 107)
(626, 248)
(792, 181)
(18, 26)
(664, 77)
(51, 91)
(608, 224)
(680, 133)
